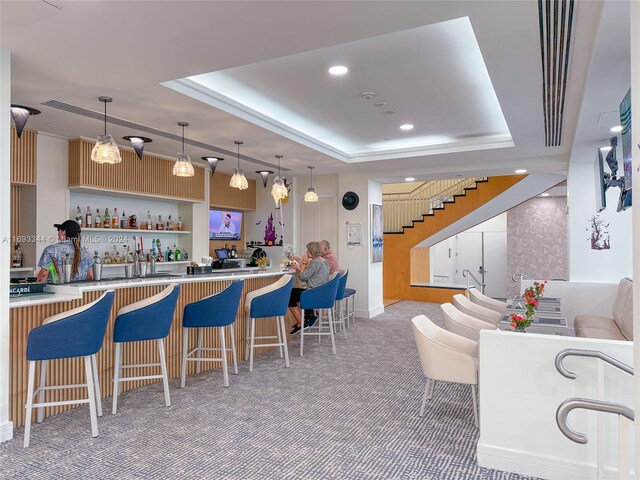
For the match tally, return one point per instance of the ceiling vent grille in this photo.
(556, 25)
(153, 131)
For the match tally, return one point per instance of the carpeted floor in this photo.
(349, 416)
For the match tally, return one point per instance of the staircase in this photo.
(402, 209)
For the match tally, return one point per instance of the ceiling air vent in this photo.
(556, 25)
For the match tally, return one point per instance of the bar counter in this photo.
(29, 312)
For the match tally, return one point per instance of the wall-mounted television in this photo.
(601, 183)
(225, 225)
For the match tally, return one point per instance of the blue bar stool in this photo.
(350, 294)
(271, 301)
(218, 310)
(76, 333)
(320, 298)
(341, 298)
(148, 319)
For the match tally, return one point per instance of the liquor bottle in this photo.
(97, 220)
(180, 224)
(88, 218)
(116, 255)
(168, 255)
(149, 221)
(160, 255)
(115, 219)
(79, 216)
(107, 258)
(106, 219)
(124, 223)
(185, 255)
(169, 223)
(159, 223)
(177, 254)
(17, 256)
(153, 247)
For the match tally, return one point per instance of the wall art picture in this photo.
(377, 238)
(599, 233)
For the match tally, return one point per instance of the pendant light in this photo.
(279, 191)
(20, 115)
(264, 174)
(105, 150)
(137, 143)
(311, 195)
(238, 180)
(213, 163)
(183, 166)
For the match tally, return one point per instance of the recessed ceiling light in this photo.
(409, 179)
(545, 194)
(406, 127)
(616, 129)
(605, 149)
(521, 170)
(338, 70)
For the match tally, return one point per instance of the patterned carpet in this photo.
(349, 416)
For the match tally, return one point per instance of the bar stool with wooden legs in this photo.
(148, 319)
(75, 333)
(320, 298)
(271, 301)
(218, 310)
(341, 301)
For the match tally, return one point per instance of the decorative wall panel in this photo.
(223, 196)
(24, 153)
(537, 240)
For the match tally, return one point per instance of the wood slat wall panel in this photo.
(223, 196)
(71, 371)
(15, 228)
(150, 176)
(24, 157)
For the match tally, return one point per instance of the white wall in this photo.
(6, 427)
(585, 264)
(521, 391)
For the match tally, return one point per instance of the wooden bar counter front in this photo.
(29, 313)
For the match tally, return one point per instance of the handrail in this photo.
(588, 353)
(597, 405)
(523, 276)
(466, 274)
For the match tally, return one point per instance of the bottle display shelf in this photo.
(134, 231)
(158, 264)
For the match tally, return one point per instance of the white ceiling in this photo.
(128, 49)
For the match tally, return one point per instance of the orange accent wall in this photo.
(397, 247)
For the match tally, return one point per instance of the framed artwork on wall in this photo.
(377, 238)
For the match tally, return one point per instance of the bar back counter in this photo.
(29, 312)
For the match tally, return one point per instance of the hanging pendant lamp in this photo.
(311, 195)
(279, 190)
(105, 150)
(137, 143)
(238, 180)
(20, 115)
(213, 163)
(183, 166)
(264, 174)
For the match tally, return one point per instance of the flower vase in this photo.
(262, 268)
(520, 329)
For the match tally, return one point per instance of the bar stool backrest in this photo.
(344, 274)
(75, 333)
(217, 310)
(323, 296)
(149, 319)
(272, 300)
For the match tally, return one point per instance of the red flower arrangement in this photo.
(532, 296)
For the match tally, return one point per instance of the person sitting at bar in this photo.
(330, 257)
(53, 256)
(314, 274)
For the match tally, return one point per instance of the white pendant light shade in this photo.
(238, 180)
(311, 196)
(105, 150)
(183, 166)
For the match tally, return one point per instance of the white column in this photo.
(635, 149)
(6, 427)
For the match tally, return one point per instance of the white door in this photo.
(468, 256)
(495, 264)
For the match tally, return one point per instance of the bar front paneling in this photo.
(71, 371)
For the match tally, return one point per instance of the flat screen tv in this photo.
(601, 186)
(225, 225)
(625, 134)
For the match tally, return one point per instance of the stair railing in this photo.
(625, 414)
(468, 275)
(521, 276)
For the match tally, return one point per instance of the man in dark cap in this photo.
(68, 247)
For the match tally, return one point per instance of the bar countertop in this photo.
(74, 290)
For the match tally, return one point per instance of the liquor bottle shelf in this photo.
(158, 264)
(133, 231)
